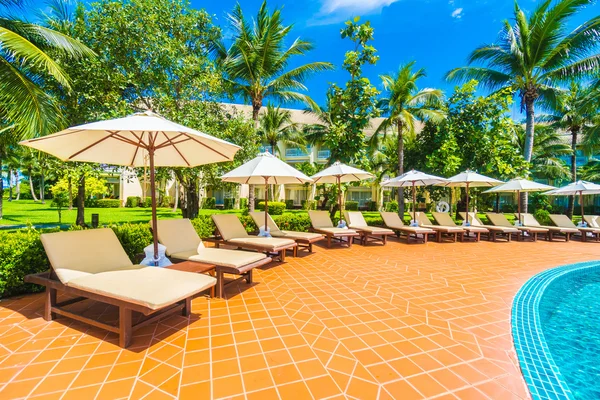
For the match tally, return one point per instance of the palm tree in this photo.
(535, 54)
(404, 106)
(548, 152)
(276, 126)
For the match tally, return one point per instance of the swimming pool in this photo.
(556, 331)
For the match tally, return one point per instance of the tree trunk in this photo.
(256, 105)
(70, 189)
(400, 167)
(17, 185)
(176, 202)
(574, 133)
(529, 136)
(80, 220)
(10, 184)
(31, 185)
(42, 183)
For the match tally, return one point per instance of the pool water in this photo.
(570, 320)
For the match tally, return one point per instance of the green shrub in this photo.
(372, 206)
(146, 202)
(507, 208)
(106, 203)
(204, 225)
(289, 204)
(543, 217)
(132, 202)
(373, 220)
(391, 206)
(293, 222)
(133, 238)
(210, 203)
(351, 206)
(248, 222)
(309, 205)
(229, 204)
(166, 202)
(243, 203)
(275, 207)
(21, 253)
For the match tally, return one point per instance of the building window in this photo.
(297, 152)
(323, 154)
(363, 197)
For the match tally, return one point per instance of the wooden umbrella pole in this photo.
(339, 179)
(153, 197)
(266, 201)
(414, 203)
(519, 204)
(467, 190)
(581, 204)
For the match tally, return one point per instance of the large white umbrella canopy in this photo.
(139, 140)
(579, 188)
(341, 173)
(468, 179)
(412, 179)
(266, 169)
(518, 186)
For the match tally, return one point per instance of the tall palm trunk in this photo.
(29, 170)
(529, 135)
(80, 219)
(574, 133)
(256, 105)
(42, 184)
(400, 167)
(17, 185)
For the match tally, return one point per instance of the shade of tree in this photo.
(534, 54)
(404, 105)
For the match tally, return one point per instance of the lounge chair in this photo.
(91, 264)
(321, 223)
(562, 221)
(367, 233)
(183, 244)
(506, 231)
(230, 231)
(529, 220)
(393, 221)
(593, 221)
(500, 220)
(454, 232)
(445, 219)
(303, 239)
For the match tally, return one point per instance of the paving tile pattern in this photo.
(400, 321)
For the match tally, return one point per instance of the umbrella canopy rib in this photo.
(91, 145)
(205, 145)
(176, 149)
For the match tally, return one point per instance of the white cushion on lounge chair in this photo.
(229, 226)
(227, 258)
(320, 219)
(259, 220)
(593, 221)
(178, 235)
(89, 251)
(150, 287)
(266, 243)
(356, 220)
(529, 220)
(424, 221)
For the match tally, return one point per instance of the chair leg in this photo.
(125, 329)
(220, 283)
(249, 277)
(50, 302)
(384, 239)
(187, 308)
(328, 241)
(282, 255)
(295, 251)
(350, 240)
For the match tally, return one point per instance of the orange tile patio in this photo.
(400, 321)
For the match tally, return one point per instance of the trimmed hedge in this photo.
(293, 222)
(309, 205)
(351, 206)
(132, 202)
(243, 203)
(166, 201)
(103, 203)
(391, 206)
(543, 217)
(210, 203)
(289, 204)
(275, 207)
(229, 203)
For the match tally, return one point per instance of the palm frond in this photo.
(488, 77)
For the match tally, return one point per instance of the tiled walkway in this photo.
(400, 321)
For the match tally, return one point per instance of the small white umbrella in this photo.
(265, 169)
(132, 140)
(470, 179)
(341, 173)
(518, 186)
(412, 179)
(579, 188)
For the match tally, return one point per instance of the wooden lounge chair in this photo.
(91, 264)
(593, 221)
(505, 231)
(230, 231)
(445, 219)
(562, 221)
(498, 219)
(303, 239)
(453, 232)
(321, 223)
(367, 233)
(393, 221)
(183, 244)
(529, 220)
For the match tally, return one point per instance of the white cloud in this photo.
(333, 11)
(457, 13)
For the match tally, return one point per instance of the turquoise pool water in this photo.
(570, 321)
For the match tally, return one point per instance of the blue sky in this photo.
(438, 34)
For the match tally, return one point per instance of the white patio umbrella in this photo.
(341, 173)
(132, 140)
(265, 169)
(412, 179)
(579, 188)
(470, 179)
(518, 186)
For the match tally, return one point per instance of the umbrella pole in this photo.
(266, 201)
(467, 205)
(519, 204)
(581, 204)
(339, 179)
(414, 204)
(153, 197)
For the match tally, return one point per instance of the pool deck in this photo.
(395, 321)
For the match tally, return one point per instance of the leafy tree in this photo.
(404, 106)
(276, 126)
(591, 171)
(351, 108)
(548, 150)
(255, 65)
(534, 55)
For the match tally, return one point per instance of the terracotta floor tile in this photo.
(323, 387)
(402, 390)
(54, 383)
(225, 368)
(195, 391)
(285, 374)
(227, 387)
(265, 394)
(294, 391)
(383, 372)
(310, 369)
(362, 389)
(257, 380)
